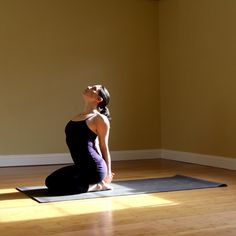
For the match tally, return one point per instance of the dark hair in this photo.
(102, 106)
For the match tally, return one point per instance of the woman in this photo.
(87, 139)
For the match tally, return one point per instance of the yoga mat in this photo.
(126, 187)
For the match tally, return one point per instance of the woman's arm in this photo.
(103, 130)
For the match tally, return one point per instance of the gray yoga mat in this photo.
(126, 187)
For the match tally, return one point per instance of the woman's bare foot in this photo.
(105, 186)
(94, 188)
(99, 187)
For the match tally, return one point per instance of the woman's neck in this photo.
(88, 109)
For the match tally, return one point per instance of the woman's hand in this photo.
(109, 178)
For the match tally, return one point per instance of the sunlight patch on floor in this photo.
(78, 207)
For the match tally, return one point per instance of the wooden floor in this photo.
(206, 212)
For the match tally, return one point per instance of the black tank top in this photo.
(80, 140)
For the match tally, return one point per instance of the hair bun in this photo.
(102, 106)
(105, 111)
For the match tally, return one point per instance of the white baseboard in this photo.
(64, 158)
(201, 159)
(34, 159)
(136, 154)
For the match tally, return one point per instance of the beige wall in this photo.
(198, 75)
(50, 50)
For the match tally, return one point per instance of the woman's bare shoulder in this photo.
(102, 119)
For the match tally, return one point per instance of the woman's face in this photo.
(91, 92)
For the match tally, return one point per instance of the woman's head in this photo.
(100, 95)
